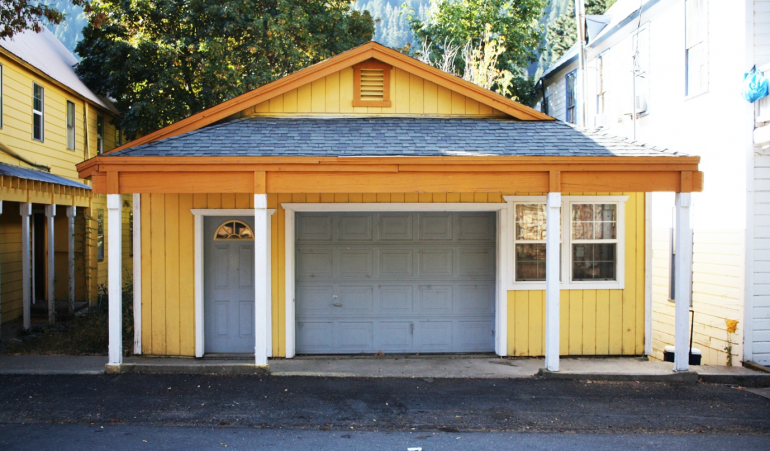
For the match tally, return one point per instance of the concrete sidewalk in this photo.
(398, 366)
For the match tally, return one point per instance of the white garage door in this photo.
(395, 282)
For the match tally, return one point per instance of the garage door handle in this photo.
(337, 304)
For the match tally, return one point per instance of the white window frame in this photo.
(1, 96)
(570, 75)
(701, 40)
(40, 112)
(99, 134)
(566, 239)
(601, 83)
(70, 131)
(635, 41)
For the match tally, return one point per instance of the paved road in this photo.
(382, 405)
(116, 438)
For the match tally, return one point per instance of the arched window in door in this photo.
(234, 230)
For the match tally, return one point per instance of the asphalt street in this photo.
(390, 412)
(116, 438)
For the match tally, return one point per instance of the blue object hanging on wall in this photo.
(754, 85)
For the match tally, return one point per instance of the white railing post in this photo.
(683, 277)
(114, 280)
(25, 209)
(261, 282)
(552, 263)
(137, 282)
(71, 212)
(50, 213)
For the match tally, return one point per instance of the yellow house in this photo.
(52, 228)
(374, 203)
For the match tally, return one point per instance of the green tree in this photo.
(164, 60)
(562, 33)
(19, 15)
(457, 22)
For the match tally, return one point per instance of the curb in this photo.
(681, 376)
(744, 380)
(223, 370)
(756, 367)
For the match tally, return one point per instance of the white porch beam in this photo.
(137, 273)
(552, 303)
(50, 213)
(71, 213)
(683, 276)
(25, 209)
(115, 289)
(261, 280)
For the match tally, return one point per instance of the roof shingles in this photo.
(391, 136)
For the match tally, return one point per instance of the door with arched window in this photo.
(229, 284)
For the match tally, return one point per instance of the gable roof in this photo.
(351, 57)
(45, 53)
(391, 136)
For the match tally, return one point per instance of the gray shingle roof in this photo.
(391, 136)
(39, 176)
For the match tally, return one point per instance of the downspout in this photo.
(7, 150)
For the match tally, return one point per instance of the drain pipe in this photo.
(10, 152)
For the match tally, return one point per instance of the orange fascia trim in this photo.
(371, 50)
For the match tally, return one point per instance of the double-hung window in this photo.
(38, 105)
(696, 49)
(70, 125)
(100, 235)
(99, 135)
(569, 81)
(600, 85)
(592, 242)
(1, 96)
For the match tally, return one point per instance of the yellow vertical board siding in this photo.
(171, 242)
(591, 320)
(409, 94)
(10, 262)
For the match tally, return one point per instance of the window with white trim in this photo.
(70, 125)
(571, 101)
(99, 135)
(591, 254)
(38, 104)
(601, 86)
(696, 49)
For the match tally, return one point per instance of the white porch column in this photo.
(261, 281)
(114, 270)
(25, 208)
(137, 274)
(50, 213)
(683, 276)
(552, 262)
(71, 212)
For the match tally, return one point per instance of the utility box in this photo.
(695, 355)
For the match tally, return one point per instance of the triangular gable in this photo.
(337, 64)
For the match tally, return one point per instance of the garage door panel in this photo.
(436, 262)
(436, 226)
(436, 336)
(436, 299)
(396, 282)
(475, 227)
(314, 227)
(313, 299)
(315, 336)
(396, 299)
(316, 263)
(355, 227)
(396, 336)
(356, 263)
(474, 335)
(476, 262)
(355, 299)
(355, 336)
(396, 226)
(475, 299)
(396, 263)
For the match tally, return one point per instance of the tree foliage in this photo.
(69, 30)
(19, 15)
(562, 33)
(164, 60)
(514, 22)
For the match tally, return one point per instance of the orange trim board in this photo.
(399, 182)
(371, 50)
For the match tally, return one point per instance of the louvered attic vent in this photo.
(371, 81)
